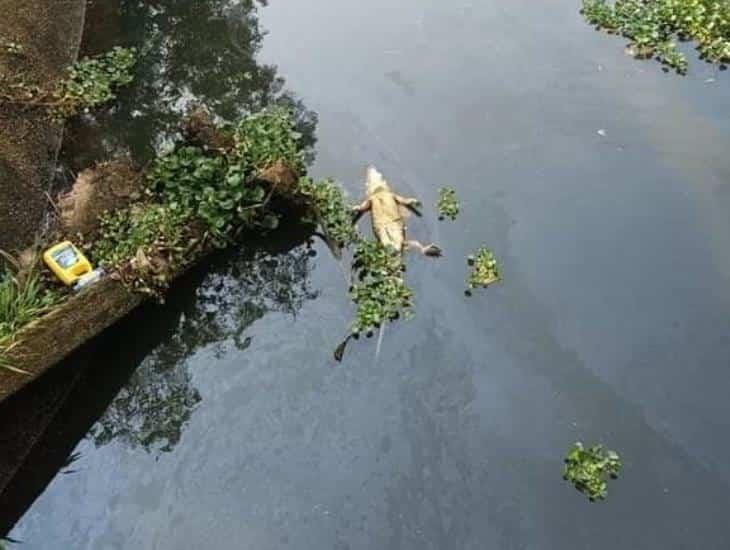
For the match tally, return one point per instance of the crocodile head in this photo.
(375, 182)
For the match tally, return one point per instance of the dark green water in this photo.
(229, 426)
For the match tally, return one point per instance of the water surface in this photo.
(237, 430)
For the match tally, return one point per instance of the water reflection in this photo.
(190, 51)
(152, 409)
(199, 52)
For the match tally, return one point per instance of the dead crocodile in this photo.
(388, 212)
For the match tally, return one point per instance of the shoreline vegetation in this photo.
(217, 183)
(655, 27)
(87, 83)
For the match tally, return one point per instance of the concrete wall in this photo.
(50, 33)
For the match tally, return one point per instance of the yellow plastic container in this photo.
(67, 262)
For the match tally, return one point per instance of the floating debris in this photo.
(484, 269)
(589, 469)
(448, 205)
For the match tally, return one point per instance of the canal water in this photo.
(601, 183)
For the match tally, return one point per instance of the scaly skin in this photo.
(388, 217)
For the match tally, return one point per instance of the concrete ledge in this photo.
(50, 33)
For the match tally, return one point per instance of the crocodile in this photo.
(388, 212)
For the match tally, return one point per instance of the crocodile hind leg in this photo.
(427, 250)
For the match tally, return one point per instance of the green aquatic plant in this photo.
(448, 205)
(380, 294)
(193, 183)
(267, 137)
(151, 228)
(198, 185)
(589, 469)
(653, 26)
(89, 82)
(330, 210)
(371, 258)
(220, 188)
(484, 270)
(144, 245)
(93, 81)
(379, 300)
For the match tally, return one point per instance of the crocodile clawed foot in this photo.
(432, 251)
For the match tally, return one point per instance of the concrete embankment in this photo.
(49, 33)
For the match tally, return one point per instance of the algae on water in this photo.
(589, 470)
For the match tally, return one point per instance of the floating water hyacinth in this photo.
(448, 205)
(380, 294)
(655, 27)
(484, 269)
(589, 470)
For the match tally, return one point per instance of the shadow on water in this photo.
(131, 384)
(157, 400)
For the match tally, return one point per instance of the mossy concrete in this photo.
(50, 33)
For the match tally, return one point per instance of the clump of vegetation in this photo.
(589, 469)
(331, 210)
(380, 294)
(144, 244)
(371, 258)
(484, 269)
(653, 25)
(197, 196)
(448, 204)
(220, 188)
(23, 298)
(93, 81)
(194, 184)
(151, 228)
(90, 82)
(268, 137)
